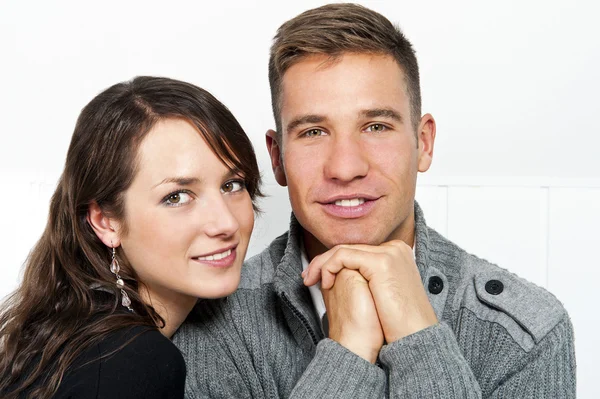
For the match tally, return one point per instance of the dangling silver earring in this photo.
(114, 268)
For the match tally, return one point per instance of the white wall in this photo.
(513, 86)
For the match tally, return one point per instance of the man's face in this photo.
(350, 156)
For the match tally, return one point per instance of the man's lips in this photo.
(336, 198)
(350, 206)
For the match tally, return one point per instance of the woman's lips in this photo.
(222, 260)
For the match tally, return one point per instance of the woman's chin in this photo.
(219, 288)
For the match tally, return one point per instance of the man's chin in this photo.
(350, 238)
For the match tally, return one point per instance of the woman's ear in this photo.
(105, 228)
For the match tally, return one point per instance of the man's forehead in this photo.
(318, 71)
(315, 86)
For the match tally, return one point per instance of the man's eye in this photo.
(376, 127)
(314, 133)
(177, 199)
(233, 186)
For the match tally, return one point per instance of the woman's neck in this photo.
(172, 308)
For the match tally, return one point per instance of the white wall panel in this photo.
(574, 274)
(433, 200)
(274, 219)
(506, 226)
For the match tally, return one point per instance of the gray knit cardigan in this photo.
(498, 335)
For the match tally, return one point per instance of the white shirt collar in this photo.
(315, 290)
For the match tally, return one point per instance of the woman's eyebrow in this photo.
(182, 181)
(234, 172)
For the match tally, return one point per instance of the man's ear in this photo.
(426, 137)
(274, 149)
(105, 228)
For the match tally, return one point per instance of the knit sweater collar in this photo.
(422, 242)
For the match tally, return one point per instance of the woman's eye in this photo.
(233, 186)
(376, 127)
(314, 133)
(177, 199)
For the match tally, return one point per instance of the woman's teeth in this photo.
(216, 256)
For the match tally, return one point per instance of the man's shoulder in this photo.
(260, 268)
(496, 295)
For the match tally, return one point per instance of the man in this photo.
(387, 321)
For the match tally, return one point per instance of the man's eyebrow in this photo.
(181, 181)
(382, 113)
(304, 119)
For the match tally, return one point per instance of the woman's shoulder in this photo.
(136, 362)
(143, 342)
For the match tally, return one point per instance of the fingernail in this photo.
(303, 274)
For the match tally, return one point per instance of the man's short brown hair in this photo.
(333, 30)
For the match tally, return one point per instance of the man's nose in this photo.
(346, 160)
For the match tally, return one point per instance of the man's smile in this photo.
(349, 206)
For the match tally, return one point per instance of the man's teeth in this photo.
(216, 256)
(350, 202)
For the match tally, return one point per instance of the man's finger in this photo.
(366, 263)
(312, 274)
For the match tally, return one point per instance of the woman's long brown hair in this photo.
(56, 313)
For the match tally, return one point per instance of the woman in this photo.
(154, 209)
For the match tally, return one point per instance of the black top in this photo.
(149, 367)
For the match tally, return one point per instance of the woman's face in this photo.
(189, 218)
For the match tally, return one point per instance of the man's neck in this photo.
(312, 246)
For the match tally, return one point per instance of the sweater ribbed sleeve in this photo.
(429, 364)
(335, 372)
